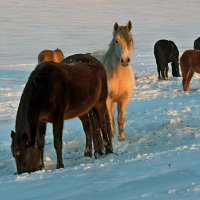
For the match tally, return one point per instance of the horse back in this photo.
(190, 59)
(165, 51)
(50, 55)
(197, 44)
(45, 56)
(76, 87)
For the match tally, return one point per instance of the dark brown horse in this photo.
(55, 92)
(165, 52)
(190, 63)
(197, 44)
(50, 55)
(90, 120)
(87, 119)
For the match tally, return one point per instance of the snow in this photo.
(160, 157)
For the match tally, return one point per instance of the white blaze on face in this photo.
(122, 50)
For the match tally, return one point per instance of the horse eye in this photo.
(116, 41)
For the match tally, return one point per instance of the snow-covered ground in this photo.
(160, 157)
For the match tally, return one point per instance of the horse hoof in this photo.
(40, 167)
(109, 149)
(99, 153)
(60, 165)
(88, 153)
(96, 155)
(120, 138)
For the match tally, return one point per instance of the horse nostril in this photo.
(128, 60)
(122, 60)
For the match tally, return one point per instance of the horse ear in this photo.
(26, 140)
(116, 27)
(12, 134)
(129, 25)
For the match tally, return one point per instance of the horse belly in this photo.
(81, 105)
(196, 68)
(76, 112)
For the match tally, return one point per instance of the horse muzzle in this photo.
(125, 62)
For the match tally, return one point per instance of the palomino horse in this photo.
(190, 63)
(121, 80)
(50, 55)
(55, 92)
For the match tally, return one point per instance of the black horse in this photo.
(197, 44)
(55, 92)
(165, 52)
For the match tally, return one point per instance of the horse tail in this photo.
(184, 63)
(174, 48)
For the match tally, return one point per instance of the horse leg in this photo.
(57, 133)
(164, 71)
(41, 141)
(175, 68)
(189, 79)
(121, 106)
(187, 75)
(97, 134)
(85, 119)
(110, 109)
(101, 110)
(108, 126)
(158, 68)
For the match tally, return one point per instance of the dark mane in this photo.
(55, 92)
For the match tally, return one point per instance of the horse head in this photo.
(26, 155)
(123, 42)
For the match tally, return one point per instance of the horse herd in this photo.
(82, 85)
(86, 86)
(166, 51)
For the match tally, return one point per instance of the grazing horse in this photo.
(55, 92)
(50, 55)
(190, 63)
(197, 44)
(121, 79)
(165, 52)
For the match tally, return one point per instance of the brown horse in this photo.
(190, 63)
(55, 92)
(50, 55)
(90, 120)
(86, 119)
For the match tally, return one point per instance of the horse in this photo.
(55, 92)
(88, 119)
(165, 52)
(197, 44)
(190, 63)
(116, 61)
(50, 55)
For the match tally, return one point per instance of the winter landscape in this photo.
(160, 157)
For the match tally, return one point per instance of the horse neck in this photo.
(25, 121)
(110, 58)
